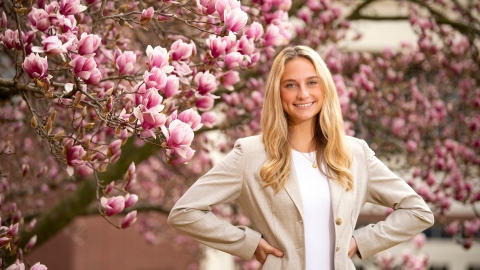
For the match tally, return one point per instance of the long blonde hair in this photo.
(329, 138)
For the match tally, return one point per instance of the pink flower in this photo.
(13, 230)
(246, 46)
(192, 118)
(125, 63)
(226, 5)
(273, 36)
(209, 119)
(149, 120)
(204, 103)
(147, 15)
(234, 60)
(38, 266)
(398, 126)
(114, 150)
(208, 6)
(172, 86)
(179, 137)
(52, 45)
(130, 177)
(4, 22)
(95, 77)
(113, 205)
(150, 98)
(129, 219)
(181, 68)
(156, 78)
(71, 7)
(182, 51)
(255, 31)
(11, 39)
(75, 155)
(88, 44)
(206, 82)
(235, 19)
(109, 188)
(419, 240)
(229, 78)
(471, 227)
(36, 66)
(4, 241)
(130, 200)
(16, 266)
(158, 57)
(83, 67)
(217, 46)
(177, 159)
(39, 19)
(31, 243)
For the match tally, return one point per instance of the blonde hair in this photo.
(329, 138)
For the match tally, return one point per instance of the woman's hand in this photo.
(263, 249)
(353, 248)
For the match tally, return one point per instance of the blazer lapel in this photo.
(293, 189)
(336, 191)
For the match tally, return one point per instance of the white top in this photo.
(318, 220)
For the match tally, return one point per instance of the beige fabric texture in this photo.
(278, 217)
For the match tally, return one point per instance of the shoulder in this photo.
(357, 146)
(251, 144)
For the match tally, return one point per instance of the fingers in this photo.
(263, 249)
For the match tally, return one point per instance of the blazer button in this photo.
(338, 221)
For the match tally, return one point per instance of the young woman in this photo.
(302, 183)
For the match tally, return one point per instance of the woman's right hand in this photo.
(263, 249)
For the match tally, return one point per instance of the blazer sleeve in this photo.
(192, 214)
(411, 214)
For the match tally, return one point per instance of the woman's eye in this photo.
(289, 85)
(312, 83)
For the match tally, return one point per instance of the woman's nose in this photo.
(302, 92)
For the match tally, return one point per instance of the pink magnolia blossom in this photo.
(471, 227)
(172, 86)
(179, 137)
(206, 82)
(88, 44)
(231, 40)
(204, 103)
(38, 266)
(36, 66)
(109, 188)
(39, 19)
(4, 241)
(147, 15)
(226, 5)
(150, 98)
(182, 51)
(235, 19)
(246, 46)
(52, 45)
(419, 240)
(178, 159)
(192, 118)
(31, 243)
(208, 6)
(209, 119)
(4, 21)
(16, 266)
(398, 126)
(217, 46)
(13, 230)
(129, 219)
(113, 205)
(10, 39)
(71, 7)
(229, 78)
(75, 155)
(125, 63)
(86, 68)
(181, 68)
(158, 57)
(130, 200)
(130, 177)
(149, 120)
(273, 37)
(114, 150)
(156, 78)
(235, 59)
(255, 31)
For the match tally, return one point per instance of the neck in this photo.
(301, 136)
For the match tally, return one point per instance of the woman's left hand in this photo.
(353, 248)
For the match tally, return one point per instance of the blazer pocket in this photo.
(272, 263)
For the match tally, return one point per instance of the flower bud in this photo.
(129, 219)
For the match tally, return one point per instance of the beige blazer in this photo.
(278, 217)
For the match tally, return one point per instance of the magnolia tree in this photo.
(106, 105)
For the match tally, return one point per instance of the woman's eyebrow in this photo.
(292, 80)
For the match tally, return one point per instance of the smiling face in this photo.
(300, 91)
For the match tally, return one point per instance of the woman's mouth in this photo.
(304, 105)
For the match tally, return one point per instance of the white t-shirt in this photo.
(318, 224)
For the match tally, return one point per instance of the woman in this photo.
(302, 183)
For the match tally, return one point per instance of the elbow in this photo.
(172, 219)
